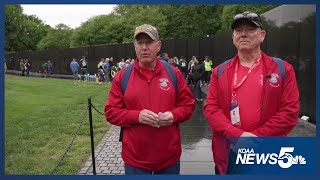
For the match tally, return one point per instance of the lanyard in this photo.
(235, 86)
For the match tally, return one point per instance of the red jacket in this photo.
(279, 114)
(144, 146)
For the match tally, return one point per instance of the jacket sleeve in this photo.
(286, 118)
(184, 106)
(115, 110)
(214, 113)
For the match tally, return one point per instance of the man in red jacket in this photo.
(250, 95)
(150, 109)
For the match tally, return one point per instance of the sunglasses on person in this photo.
(253, 16)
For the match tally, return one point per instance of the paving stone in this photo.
(120, 164)
(106, 171)
(115, 171)
(111, 165)
(104, 168)
(113, 168)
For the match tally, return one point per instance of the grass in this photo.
(41, 117)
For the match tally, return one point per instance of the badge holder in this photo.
(234, 111)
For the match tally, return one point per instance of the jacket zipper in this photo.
(149, 93)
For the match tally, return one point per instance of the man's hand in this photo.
(246, 142)
(247, 134)
(148, 117)
(165, 119)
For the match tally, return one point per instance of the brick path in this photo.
(108, 155)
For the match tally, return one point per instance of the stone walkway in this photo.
(108, 155)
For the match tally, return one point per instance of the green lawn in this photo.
(41, 117)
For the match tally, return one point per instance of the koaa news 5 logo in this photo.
(284, 159)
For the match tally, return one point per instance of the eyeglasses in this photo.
(249, 30)
(141, 43)
(253, 16)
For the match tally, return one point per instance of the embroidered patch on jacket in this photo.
(164, 84)
(274, 80)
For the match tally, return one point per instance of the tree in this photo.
(92, 32)
(191, 20)
(58, 37)
(136, 15)
(117, 27)
(22, 32)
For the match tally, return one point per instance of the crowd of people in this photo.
(105, 69)
(195, 72)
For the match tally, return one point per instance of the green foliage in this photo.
(92, 32)
(59, 37)
(191, 20)
(41, 117)
(136, 15)
(117, 27)
(22, 32)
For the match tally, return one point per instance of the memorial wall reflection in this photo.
(291, 35)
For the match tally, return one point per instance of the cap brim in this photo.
(149, 34)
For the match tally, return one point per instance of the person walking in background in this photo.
(183, 66)
(150, 108)
(111, 63)
(44, 68)
(74, 66)
(101, 75)
(197, 74)
(50, 68)
(208, 67)
(107, 70)
(101, 63)
(250, 95)
(121, 64)
(189, 75)
(22, 67)
(27, 66)
(84, 66)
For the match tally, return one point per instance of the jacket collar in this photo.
(157, 69)
(267, 61)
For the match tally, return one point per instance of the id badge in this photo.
(234, 113)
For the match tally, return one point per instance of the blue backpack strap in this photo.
(124, 83)
(125, 78)
(280, 66)
(171, 74)
(221, 68)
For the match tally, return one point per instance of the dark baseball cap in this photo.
(250, 16)
(151, 31)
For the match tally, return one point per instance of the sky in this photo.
(71, 15)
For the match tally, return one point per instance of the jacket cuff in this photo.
(234, 132)
(133, 117)
(175, 117)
